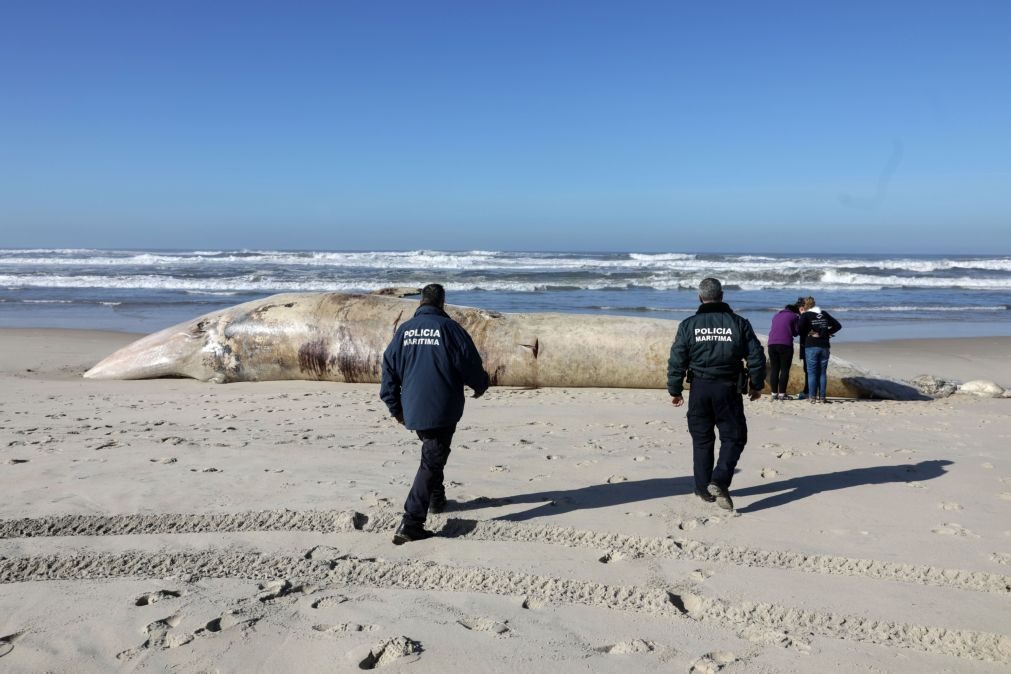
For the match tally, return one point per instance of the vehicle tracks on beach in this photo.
(443, 578)
(383, 521)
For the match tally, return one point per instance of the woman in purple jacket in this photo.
(781, 334)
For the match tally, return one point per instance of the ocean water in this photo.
(875, 297)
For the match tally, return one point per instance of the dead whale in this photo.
(341, 337)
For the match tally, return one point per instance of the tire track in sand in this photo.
(438, 577)
(382, 521)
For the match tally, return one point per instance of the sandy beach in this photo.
(172, 524)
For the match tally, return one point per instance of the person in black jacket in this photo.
(709, 349)
(425, 368)
(817, 327)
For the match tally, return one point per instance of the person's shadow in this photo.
(807, 485)
(621, 493)
(594, 496)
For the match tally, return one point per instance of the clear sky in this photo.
(680, 126)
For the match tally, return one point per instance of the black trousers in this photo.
(716, 405)
(428, 481)
(780, 360)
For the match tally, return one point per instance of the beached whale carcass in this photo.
(341, 337)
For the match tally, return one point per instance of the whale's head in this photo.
(173, 352)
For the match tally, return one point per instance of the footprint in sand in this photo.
(614, 479)
(761, 635)
(329, 600)
(398, 650)
(627, 647)
(713, 662)
(159, 636)
(769, 473)
(14, 462)
(949, 505)
(484, 625)
(532, 604)
(612, 556)
(953, 529)
(164, 459)
(499, 469)
(225, 621)
(155, 597)
(700, 575)
(344, 628)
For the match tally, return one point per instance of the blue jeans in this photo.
(816, 361)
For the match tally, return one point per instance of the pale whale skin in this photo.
(341, 337)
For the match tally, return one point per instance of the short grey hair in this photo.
(710, 290)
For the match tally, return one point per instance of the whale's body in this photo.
(341, 337)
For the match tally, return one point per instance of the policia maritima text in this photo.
(709, 349)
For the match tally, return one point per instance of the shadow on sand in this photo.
(623, 493)
(595, 496)
(801, 487)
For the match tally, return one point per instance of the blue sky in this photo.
(756, 127)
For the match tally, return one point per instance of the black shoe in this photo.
(437, 504)
(721, 496)
(705, 496)
(408, 532)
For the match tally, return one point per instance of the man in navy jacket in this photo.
(425, 368)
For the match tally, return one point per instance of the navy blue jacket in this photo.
(425, 368)
(713, 343)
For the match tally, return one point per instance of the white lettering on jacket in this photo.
(714, 335)
(422, 336)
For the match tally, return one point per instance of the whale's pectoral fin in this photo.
(535, 348)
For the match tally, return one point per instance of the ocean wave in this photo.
(916, 309)
(492, 261)
(850, 280)
(261, 282)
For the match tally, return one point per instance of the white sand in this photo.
(246, 527)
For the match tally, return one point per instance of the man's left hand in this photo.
(755, 394)
(677, 401)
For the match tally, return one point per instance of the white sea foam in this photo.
(264, 282)
(504, 261)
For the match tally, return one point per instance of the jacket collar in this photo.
(715, 308)
(428, 310)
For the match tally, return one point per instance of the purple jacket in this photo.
(784, 327)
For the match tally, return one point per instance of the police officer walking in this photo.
(709, 349)
(425, 368)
